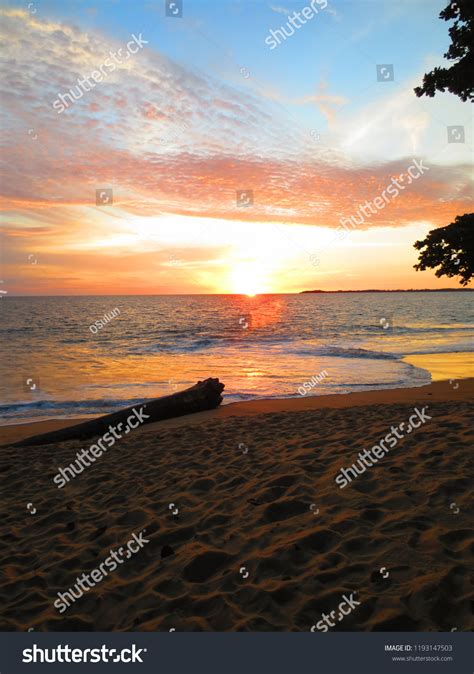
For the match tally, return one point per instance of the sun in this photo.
(247, 278)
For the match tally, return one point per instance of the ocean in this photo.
(81, 356)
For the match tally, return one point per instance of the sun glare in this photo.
(247, 278)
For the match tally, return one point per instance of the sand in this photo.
(263, 538)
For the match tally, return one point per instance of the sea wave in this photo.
(322, 345)
(78, 406)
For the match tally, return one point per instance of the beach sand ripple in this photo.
(255, 511)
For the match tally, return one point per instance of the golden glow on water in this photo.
(262, 345)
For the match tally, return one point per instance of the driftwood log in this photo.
(205, 395)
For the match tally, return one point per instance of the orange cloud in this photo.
(171, 141)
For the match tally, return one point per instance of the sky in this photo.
(198, 154)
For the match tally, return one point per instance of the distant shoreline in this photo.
(411, 290)
(299, 292)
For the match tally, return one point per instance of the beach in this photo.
(237, 337)
(245, 525)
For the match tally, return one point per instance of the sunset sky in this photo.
(205, 110)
